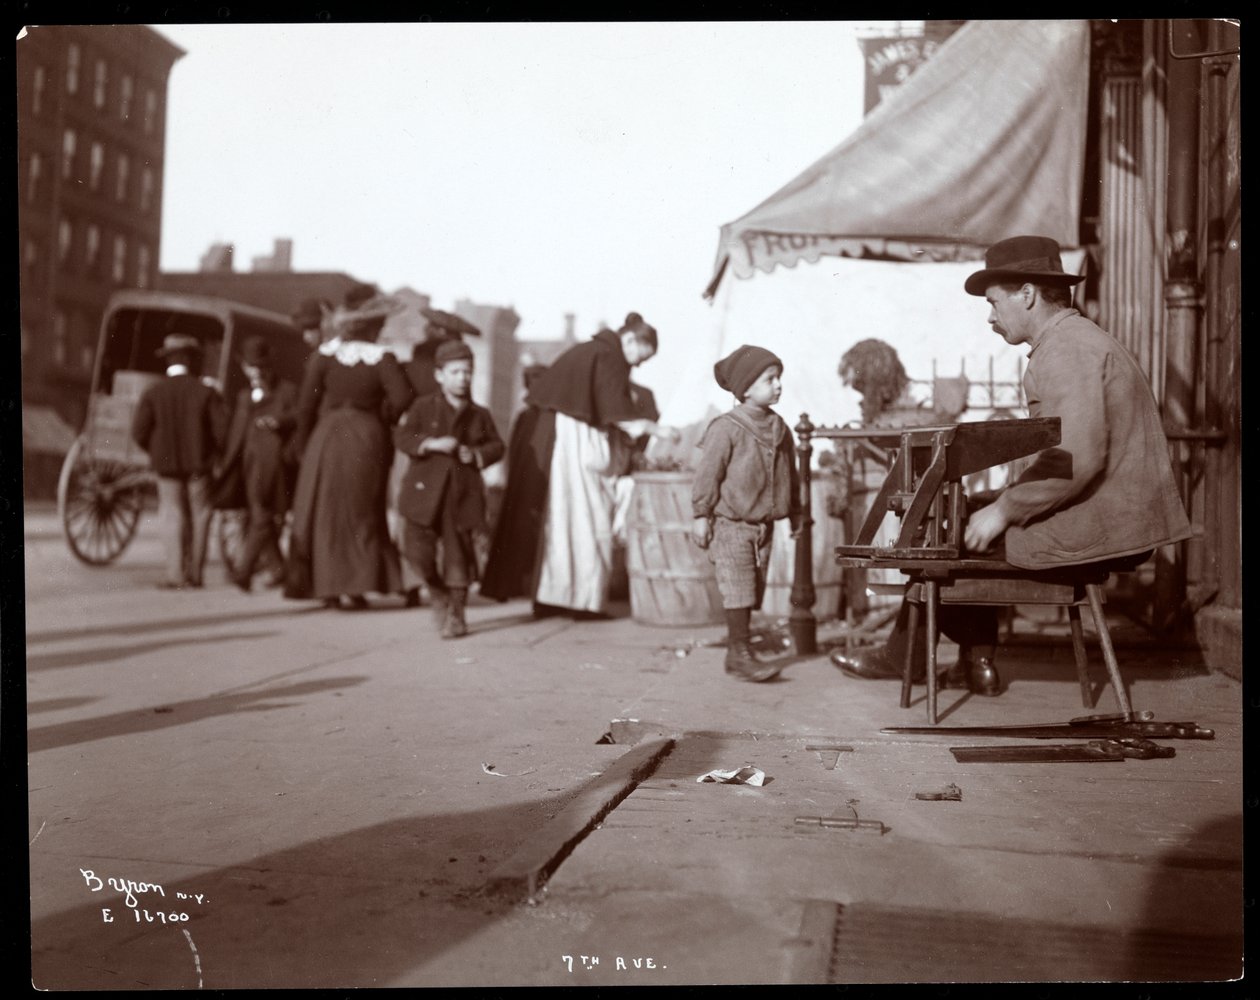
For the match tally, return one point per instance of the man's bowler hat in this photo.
(1020, 259)
(178, 342)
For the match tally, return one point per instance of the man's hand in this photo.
(465, 455)
(267, 423)
(446, 445)
(984, 527)
(702, 532)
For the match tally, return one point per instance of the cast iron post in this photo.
(801, 623)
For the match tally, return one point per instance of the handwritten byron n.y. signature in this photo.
(131, 891)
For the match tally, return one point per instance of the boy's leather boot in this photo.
(740, 661)
(455, 625)
(742, 664)
(440, 598)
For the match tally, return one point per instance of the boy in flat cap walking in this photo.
(449, 440)
(746, 481)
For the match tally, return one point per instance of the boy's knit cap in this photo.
(452, 350)
(742, 367)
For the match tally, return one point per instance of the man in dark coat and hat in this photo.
(180, 422)
(260, 453)
(1106, 495)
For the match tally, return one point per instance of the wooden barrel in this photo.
(671, 579)
(828, 532)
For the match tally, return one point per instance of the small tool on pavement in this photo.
(841, 823)
(950, 793)
(1094, 750)
(829, 753)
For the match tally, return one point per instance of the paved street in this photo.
(235, 791)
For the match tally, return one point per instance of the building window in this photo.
(65, 239)
(59, 337)
(92, 247)
(142, 266)
(101, 79)
(95, 164)
(72, 69)
(37, 90)
(124, 98)
(68, 143)
(81, 340)
(150, 111)
(120, 259)
(146, 189)
(33, 173)
(122, 177)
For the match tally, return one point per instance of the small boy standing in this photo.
(746, 481)
(449, 440)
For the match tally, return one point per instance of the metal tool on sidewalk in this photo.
(1095, 750)
(829, 753)
(841, 823)
(1085, 727)
(950, 793)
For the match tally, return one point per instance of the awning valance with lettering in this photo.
(983, 142)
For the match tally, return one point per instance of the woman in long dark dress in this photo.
(553, 540)
(353, 391)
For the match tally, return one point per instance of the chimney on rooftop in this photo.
(218, 258)
(280, 258)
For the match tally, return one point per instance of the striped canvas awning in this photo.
(985, 141)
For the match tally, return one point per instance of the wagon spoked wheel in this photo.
(100, 502)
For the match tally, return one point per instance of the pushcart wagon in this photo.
(106, 480)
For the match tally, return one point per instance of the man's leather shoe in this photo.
(979, 676)
(875, 663)
(983, 678)
(742, 664)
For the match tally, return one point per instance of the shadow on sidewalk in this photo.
(98, 655)
(360, 909)
(160, 625)
(178, 713)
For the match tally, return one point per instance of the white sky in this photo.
(554, 168)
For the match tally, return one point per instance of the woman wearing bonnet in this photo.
(352, 393)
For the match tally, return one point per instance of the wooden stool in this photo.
(980, 581)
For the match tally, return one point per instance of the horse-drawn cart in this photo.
(106, 480)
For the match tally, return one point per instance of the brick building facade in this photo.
(91, 139)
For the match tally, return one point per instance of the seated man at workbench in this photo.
(1106, 494)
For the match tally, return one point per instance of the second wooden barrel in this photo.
(672, 582)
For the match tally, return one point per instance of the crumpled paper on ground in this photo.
(747, 775)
